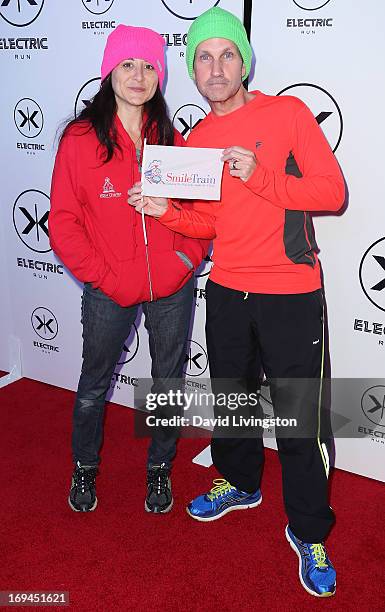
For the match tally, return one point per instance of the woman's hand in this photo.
(154, 207)
(242, 162)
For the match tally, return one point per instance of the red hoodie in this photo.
(99, 237)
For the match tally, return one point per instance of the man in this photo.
(264, 299)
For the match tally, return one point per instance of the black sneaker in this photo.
(82, 497)
(159, 497)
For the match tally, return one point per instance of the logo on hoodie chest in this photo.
(108, 190)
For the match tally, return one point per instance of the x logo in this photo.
(30, 2)
(190, 359)
(45, 324)
(322, 116)
(187, 127)
(35, 222)
(381, 285)
(377, 406)
(27, 118)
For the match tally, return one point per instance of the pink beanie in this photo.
(140, 43)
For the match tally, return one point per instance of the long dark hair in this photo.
(99, 115)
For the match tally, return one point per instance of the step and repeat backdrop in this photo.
(326, 53)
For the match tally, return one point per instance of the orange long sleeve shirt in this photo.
(262, 230)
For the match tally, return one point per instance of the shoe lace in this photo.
(319, 555)
(158, 478)
(85, 479)
(221, 487)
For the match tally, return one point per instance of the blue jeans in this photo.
(106, 326)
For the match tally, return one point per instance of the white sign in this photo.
(182, 172)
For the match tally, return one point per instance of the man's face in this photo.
(218, 69)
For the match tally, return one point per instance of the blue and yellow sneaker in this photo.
(221, 499)
(316, 572)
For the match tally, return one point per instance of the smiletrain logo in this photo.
(154, 175)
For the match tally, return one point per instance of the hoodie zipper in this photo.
(138, 154)
(147, 260)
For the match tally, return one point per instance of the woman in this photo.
(101, 241)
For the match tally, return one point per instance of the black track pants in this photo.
(283, 335)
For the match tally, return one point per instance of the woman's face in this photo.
(134, 82)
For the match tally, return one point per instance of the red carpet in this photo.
(120, 558)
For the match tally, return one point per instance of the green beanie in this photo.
(217, 23)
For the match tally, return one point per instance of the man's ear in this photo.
(243, 70)
(193, 75)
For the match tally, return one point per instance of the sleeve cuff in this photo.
(171, 214)
(256, 180)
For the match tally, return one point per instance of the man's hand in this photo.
(242, 162)
(154, 207)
